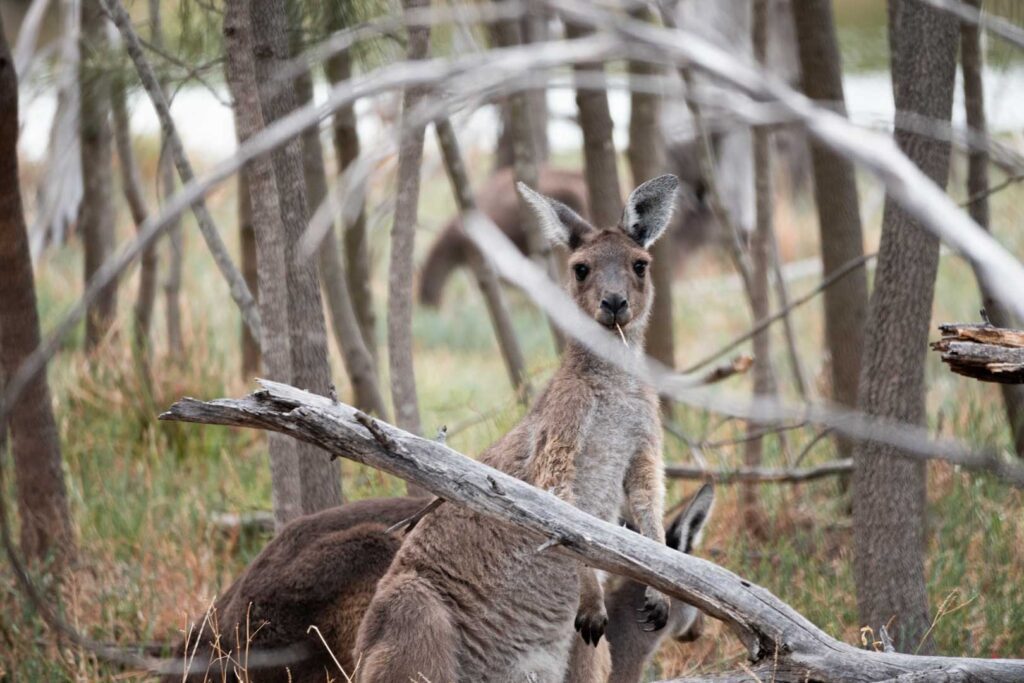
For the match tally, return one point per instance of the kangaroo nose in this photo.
(614, 304)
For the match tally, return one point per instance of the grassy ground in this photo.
(142, 493)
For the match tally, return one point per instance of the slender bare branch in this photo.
(761, 475)
(239, 291)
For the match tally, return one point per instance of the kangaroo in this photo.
(320, 569)
(692, 227)
(470, 598)
(337, 556)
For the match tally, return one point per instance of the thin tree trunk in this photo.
(601, 168)
(142, 312)
(319, 474)
(355, 239)
(647, 160)
(533, 29)
(240, 73)
(247, 242)
(175, 245)
(403, 234)
(358, 362)
(34, 442)
(972, 62)
(835, 192)
(508, 34)
(889, 490)
(761, 259)
(486, 277)
(96, 215)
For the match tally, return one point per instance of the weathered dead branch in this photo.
(780, 641)
(983, 352)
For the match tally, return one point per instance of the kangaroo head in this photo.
(608, 267)
(686, 622)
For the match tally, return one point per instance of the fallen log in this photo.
(779, 640)
(983, 352)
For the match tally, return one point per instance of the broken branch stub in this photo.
(777, 637)
(983, 352)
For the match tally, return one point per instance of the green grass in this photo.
(143, 492)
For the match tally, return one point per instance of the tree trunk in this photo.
(486, 277)
(34, 441)
(647, 160)
(247, 243)
(601, 168)
(358, 362)
(175, 245)
(319, 475)
(346, 146)
(403, 232)
(972, 61)
(96, 215)
(761, 259)
(889, 490)
(142, 312)
(240, 74)
(533, 29)
(524, 153)
(835, 192)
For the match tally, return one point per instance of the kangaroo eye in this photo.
(581, 270)
(640, 268)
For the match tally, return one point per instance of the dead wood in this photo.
(983, 352)
(781, 642)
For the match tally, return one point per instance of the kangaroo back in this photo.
(496, 198)
(320, 570)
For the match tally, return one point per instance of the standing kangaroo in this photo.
(469, 598)
(322, 570)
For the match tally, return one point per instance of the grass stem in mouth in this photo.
(621, 334)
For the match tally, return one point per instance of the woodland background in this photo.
(145, 544)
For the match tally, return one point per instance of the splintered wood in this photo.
(983, 352)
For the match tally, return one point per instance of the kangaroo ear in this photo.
(685, 531)
(561, 225)
(649, 209)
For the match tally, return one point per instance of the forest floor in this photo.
(143, 493)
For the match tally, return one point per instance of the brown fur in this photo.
(344, 538)
(470, 598)
(321, 569)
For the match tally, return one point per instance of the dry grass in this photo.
(142, 492)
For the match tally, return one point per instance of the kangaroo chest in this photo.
(621, 423)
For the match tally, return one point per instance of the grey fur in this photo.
(470, 598)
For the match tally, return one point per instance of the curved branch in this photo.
(776, 636)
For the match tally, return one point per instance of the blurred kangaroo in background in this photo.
(323, 569)
(692, 225)
(470, 598)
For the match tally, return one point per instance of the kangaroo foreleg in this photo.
(645, 493)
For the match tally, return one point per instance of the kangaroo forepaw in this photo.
(654, 613)
(591, 624)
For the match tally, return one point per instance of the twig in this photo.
(839, 274)
(761, 475)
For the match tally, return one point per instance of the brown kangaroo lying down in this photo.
(692, 225)
(322, 569)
